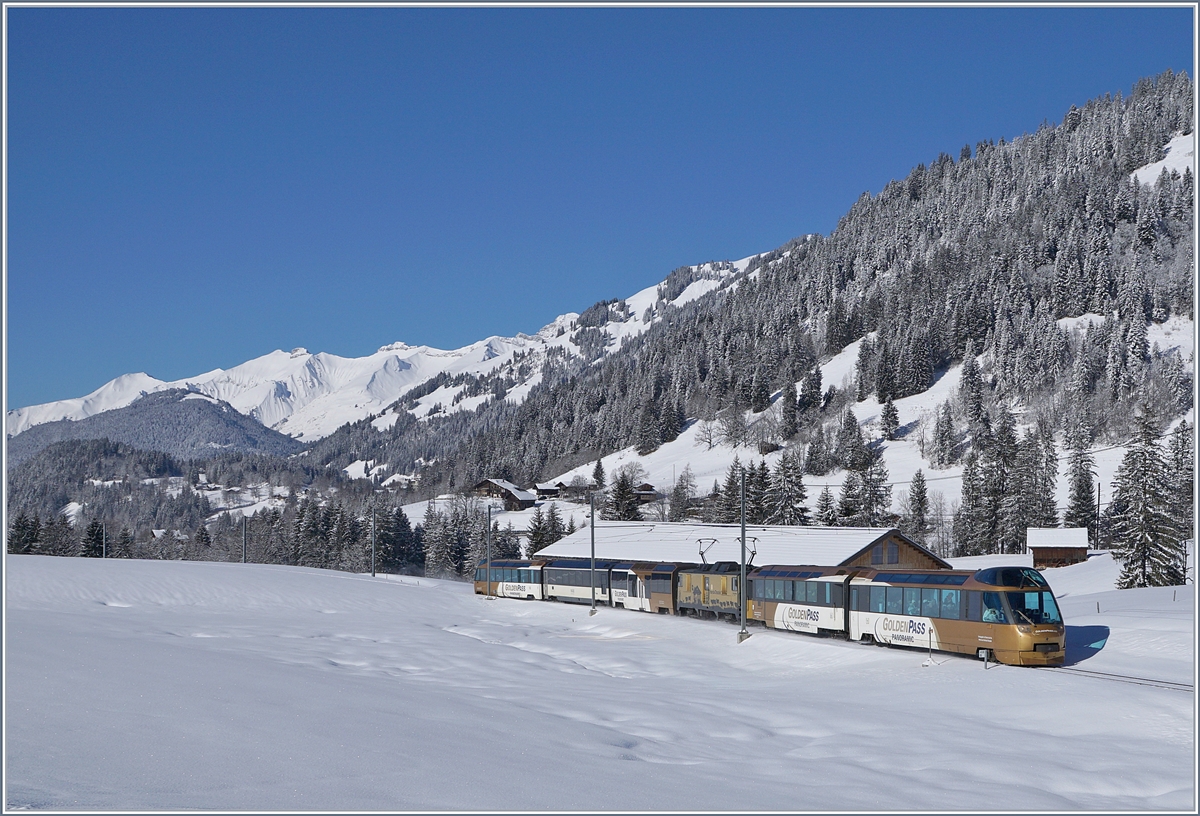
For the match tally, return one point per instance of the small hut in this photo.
(1057, 546)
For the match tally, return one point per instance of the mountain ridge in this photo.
(309, 395)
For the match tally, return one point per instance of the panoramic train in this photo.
(1006, 614)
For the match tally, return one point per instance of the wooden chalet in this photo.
(514, 498)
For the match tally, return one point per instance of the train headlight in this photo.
(1024, 630)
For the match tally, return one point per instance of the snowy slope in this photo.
(1181, 155)
(141, 685)
(308, 396)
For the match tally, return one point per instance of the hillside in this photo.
(180, 423)
(142, 685)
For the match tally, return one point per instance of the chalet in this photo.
(646, 493)
(1057, 546)
(514, 498)
(549, 490)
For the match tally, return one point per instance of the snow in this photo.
(1181, 154)
(202, 397)
(1176, 333)
(173, 685)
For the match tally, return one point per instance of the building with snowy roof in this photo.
(684, 542)
(514, 498)
(1057, 546)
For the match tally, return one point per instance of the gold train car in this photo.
(1007, 614)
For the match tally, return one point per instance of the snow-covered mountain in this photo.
(308, 396)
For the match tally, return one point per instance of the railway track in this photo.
(1126, 678)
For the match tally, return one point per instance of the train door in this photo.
(704, 592)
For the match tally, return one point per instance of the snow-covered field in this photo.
(164, 685)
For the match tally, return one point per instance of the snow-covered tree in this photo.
(786, 494)
(916, 522)
(1145, 537)
(681, 495)
(439, 561)
(1081, 498)
(889, 420)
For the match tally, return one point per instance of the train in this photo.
(1005, 614)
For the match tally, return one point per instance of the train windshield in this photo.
(1033, 607)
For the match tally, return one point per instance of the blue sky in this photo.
(190, 188)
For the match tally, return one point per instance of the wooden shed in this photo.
(1057, 546)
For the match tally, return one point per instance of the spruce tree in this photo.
(917, 523)
(889, 420)
(598, 476)
(729, 509)
(875, 494)
(1181, 477)
(787, 410)
(681, 495)
(757, 483)
(93, 540)
(826, 514)
(973, 531)
(943, 438)
(622, 503)
(851, 447)
(810, 391)
(123, 546)
(536, 533)
(554, 525)
(648, 434)
(786, 494)
(439, 562)
(1145, 537)
(818, 460)
(1081, 499)
(849, 507)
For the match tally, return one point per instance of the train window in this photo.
(974, 609)
(877, 598)
(479, 573)
(756, 590)
(950, 603)
(619, 580)
(1033, 607)
(931, 606)
(812, 592)
(835, 594)
(993, 608)
(877, 554)
(854, 599)
(912, 600)
(893, 552)
(895, 600)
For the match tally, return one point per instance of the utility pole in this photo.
(592, 505)
(489, 550)
(243, 538)
(103, 540)
(743, 634)
(1097, 515)
(372, 539)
